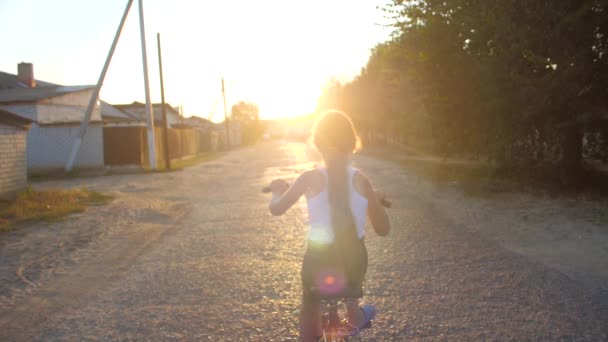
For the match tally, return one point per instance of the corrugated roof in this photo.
(197, 120)
(8, 117)
(10, 81)
(112, 112)
(138, 110)
(38, 93)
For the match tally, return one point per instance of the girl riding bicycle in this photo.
(339, 199)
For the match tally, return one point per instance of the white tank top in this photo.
(319, 212)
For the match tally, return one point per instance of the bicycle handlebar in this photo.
(384, 201)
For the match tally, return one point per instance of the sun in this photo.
(288, 102)
(277, 96)
(283, 85)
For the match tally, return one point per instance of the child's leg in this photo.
(310, 319)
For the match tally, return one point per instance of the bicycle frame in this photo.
(333, 329)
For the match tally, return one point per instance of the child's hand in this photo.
(383, 199)
(279, 186)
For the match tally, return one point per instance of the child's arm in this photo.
(285, 196)
(375, 210)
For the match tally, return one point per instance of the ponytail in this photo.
(342, 219)
(347, 247)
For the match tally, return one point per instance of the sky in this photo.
(276, 53)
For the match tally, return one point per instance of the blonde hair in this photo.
(334, 131)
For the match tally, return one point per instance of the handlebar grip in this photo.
(386, 203)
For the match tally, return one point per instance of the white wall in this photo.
(71, 105)
(50, 140)
(65, 108)
(13, 173)
(48, 147)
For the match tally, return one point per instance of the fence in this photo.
(124, 146)
(129, 145)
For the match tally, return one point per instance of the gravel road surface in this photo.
(194, 255)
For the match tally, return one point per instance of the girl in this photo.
(339, 199)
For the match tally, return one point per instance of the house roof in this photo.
(197, 120)
(113, 113)
(38, 93)
(138, 110)
(10, 81)
(10, 118)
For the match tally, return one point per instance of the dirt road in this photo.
(194, 255)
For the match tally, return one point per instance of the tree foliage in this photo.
(516, 81)
(248, 116)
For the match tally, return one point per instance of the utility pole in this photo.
(226, 116)
(149, 112)
(164, 111)
(87, 115)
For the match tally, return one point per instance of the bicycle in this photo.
(334, 329)
(384, 201)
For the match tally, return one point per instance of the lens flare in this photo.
(320, 235)
(330, 282)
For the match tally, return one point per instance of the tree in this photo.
(244, 111)
(247, 114)
(519, 81)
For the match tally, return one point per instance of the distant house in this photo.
(125, 129)
(236, 134)
(112, 116)
(214, 131)
(138, 110)
(200, 123)
(124, 137)
(57, 112)
(13, 142)
(219, 130)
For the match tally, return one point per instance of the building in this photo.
(200, 123)
(125, 132)
(115, 117)
(57, 112)
(138, 110)
(13, 164)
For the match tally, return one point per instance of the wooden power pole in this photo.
(149, 110)
(226, 116)
(164, 111)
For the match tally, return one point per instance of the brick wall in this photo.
(13, 168)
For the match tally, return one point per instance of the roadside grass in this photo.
(475, 178)
(180, 164)
(47, 205)
(60, 174)
(184, 163)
